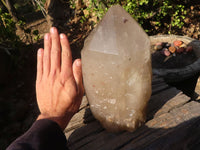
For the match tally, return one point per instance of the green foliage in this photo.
(7, 29)
(155, 13)
(9, 41)
(72, 4)
(40, 4)
(98, 7)
(36, 35)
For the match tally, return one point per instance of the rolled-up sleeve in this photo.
(43, 135)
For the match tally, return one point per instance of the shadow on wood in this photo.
(171, 123)
(183, 136)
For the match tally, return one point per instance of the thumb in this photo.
(77, 72)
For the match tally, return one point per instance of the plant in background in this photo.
(170, 15)
(150, 14)
(9, 41)
(7, 29)
(98, 7)
(178, 16)
(36, 35)
(40, 6)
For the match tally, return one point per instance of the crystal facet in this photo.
(117, 71)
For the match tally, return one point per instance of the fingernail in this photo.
(62, 36)
(78, 63)
(40, 52)
(46, 36)
(53, 30)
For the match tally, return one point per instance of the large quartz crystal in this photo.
(117, 71)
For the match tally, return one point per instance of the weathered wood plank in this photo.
(99, 140)
(88, 132)
(173, 125)
(163, 101)
(168, 111)
(153, 131)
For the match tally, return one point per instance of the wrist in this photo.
(61, 121)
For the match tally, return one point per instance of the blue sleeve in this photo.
(43, 135)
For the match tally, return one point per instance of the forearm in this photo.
(44, 134)
(61, 121)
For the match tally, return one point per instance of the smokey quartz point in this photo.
(117, 71)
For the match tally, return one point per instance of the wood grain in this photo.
(173, 122)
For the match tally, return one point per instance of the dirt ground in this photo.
(18, 105)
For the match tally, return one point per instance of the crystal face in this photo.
(116, 66)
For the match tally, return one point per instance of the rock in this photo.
(116, 63)
(172, 49)
(180, 50)
(158, 47)
(178, 43)
(189, 49)
(166, 52)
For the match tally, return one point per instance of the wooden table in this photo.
(173, 122)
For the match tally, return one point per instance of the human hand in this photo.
(59, 87)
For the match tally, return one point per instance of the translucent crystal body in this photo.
(117, 71)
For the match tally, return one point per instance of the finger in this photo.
(39, 64)
(47, 52)
(55, 50)
(77, 72)
(66, 61)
